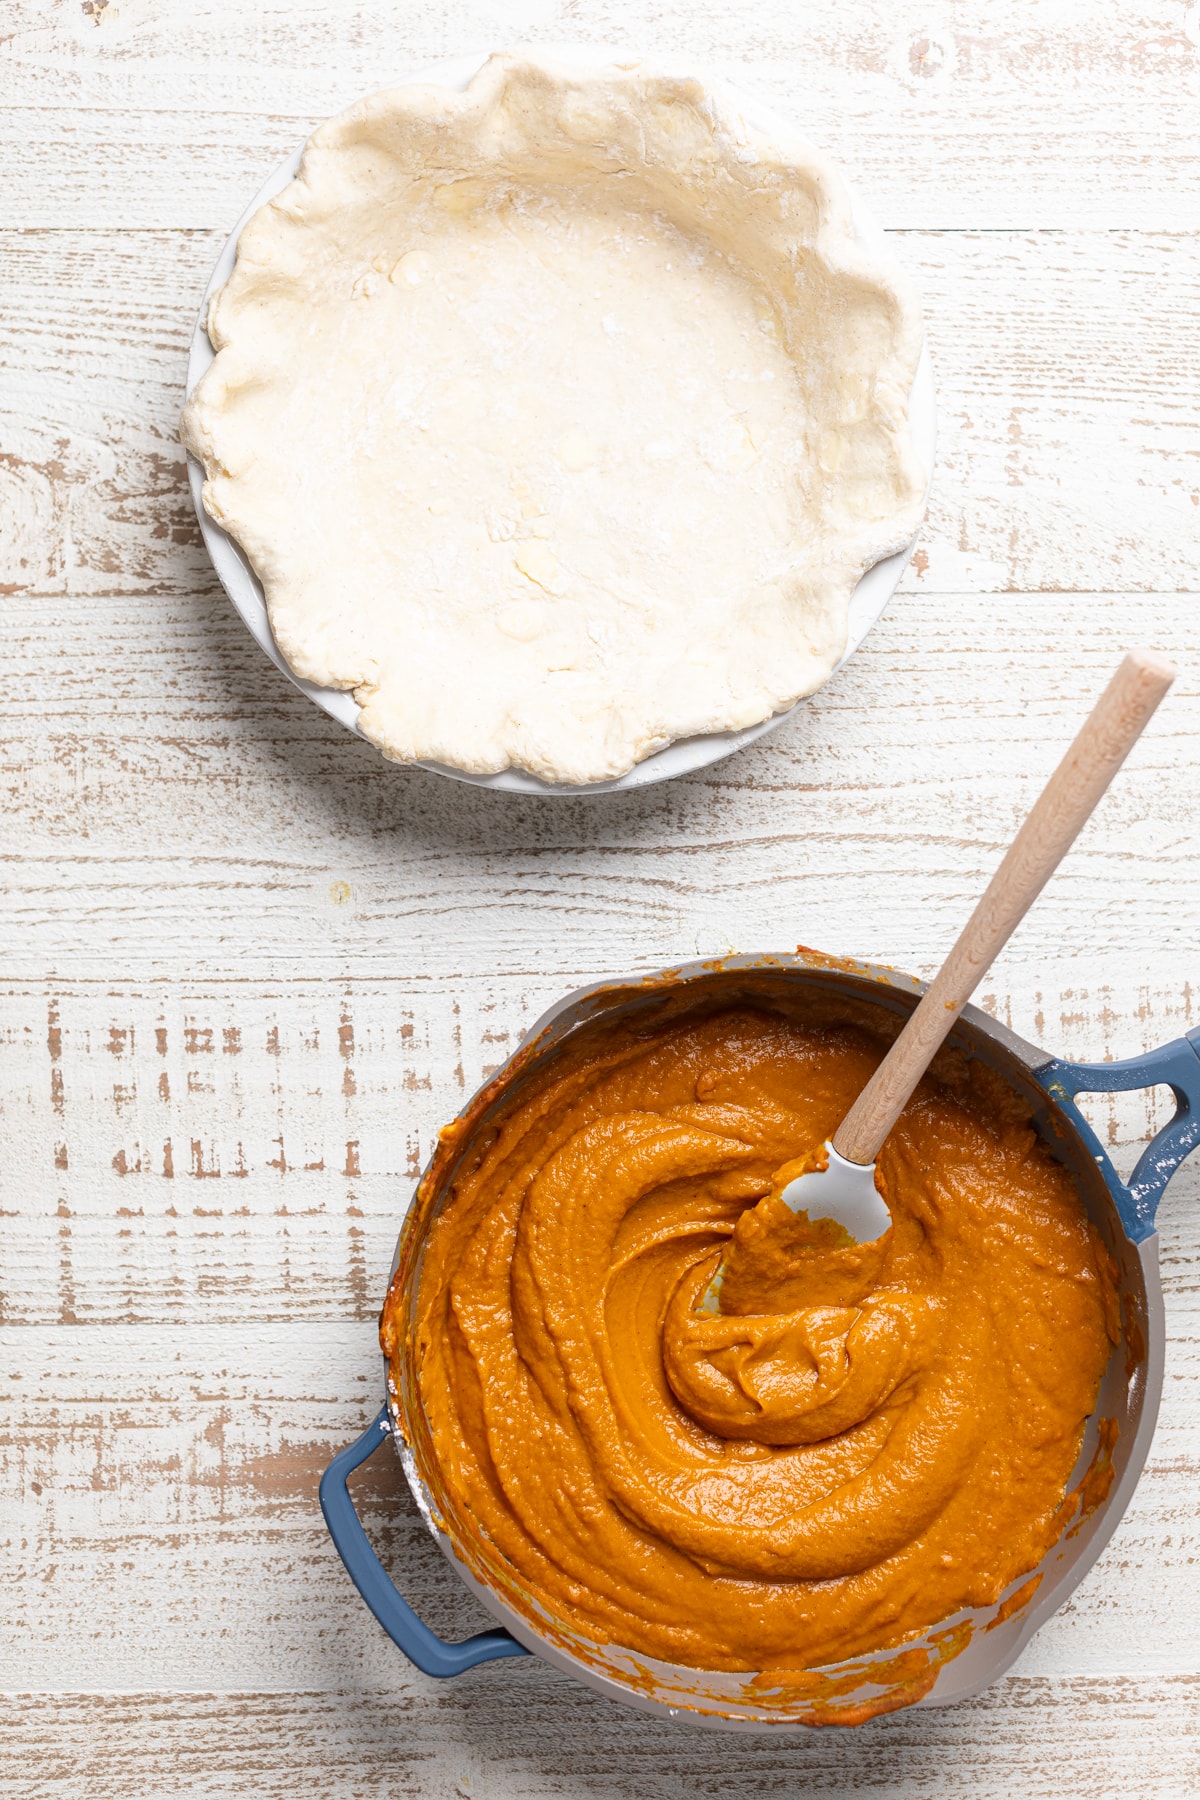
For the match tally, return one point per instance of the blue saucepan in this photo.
(929, 1674)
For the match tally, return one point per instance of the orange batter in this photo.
(862, 1442)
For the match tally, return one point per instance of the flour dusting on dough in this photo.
(558, 418)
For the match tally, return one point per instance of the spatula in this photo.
(845, 1190)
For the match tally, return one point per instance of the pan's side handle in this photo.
(422, 1646)
(1175, 1065)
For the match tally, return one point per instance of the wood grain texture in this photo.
(949, 113)
(534, 1736)
(249, 968)
(183, 810)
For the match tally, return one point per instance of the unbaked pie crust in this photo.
(559, 417)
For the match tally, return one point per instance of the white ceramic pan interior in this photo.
(867, 603)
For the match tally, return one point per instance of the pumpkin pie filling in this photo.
(860, 1443)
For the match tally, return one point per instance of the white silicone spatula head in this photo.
(845, 1190)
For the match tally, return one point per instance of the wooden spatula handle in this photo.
(1064, 807)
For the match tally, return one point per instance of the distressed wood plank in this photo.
(526, 1734)
(224, 1152)
(868, 824)
(973, 113)
(1067, 370)
(180, 1465)
(92, 368)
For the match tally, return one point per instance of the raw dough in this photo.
(559, 417)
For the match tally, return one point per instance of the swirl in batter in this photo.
(864, 1440)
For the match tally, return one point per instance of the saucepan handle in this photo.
(422, 1646)
(1175, 1065)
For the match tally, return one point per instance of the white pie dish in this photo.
(867, 603)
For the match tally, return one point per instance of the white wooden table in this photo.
(249, 967)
